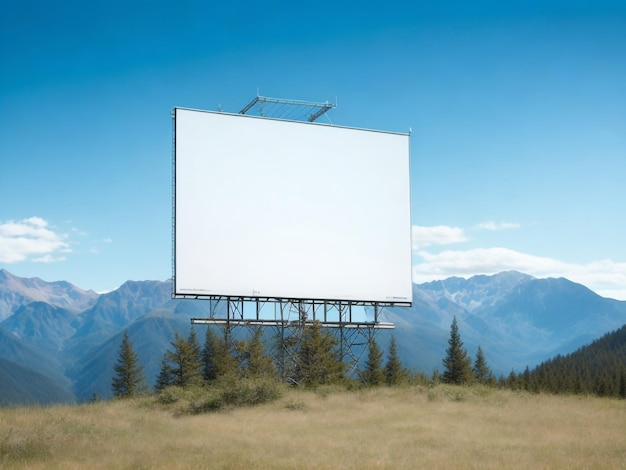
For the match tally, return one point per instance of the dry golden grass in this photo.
(415, 427)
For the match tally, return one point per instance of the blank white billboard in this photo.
(266, 208)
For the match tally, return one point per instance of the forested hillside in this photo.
(20, 385)
(599, 368)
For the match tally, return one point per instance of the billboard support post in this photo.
(290, 320)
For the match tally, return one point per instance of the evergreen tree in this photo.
(216, 357)
(373, 373)
(512, 381)
(186, 367)
(482, 372)
(317, 360)
(525, 379)
(256, 363)
(224, 359)
(166, 375)
(501, 381)
(395, 373)
(209, 371)
(457, 365)
(194, 345)
(129, 379)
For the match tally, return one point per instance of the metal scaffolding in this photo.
(293, 110)
(287, 321)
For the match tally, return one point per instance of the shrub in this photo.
(250, 392)
(226, 392)
(170, 395)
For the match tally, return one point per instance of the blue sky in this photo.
(517, 111)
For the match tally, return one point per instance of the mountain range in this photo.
(59, 343)
(518, 320)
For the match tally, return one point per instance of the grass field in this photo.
(394, 428)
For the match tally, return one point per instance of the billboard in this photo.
(287, 210)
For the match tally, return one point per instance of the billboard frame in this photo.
(312, 301)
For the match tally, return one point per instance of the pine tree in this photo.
(395, 373)
(512, 381)
(482, 372)
(224, 360)
(209, 371)
(194, 345)
(256, 362)
(185, 362)
(373, 373)
(525, 379)
(457, 365)
(129, 379)
(216, 357)
(166, 375)
(317, 360)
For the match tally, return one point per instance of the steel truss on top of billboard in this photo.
(289, 211)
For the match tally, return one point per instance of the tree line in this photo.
(313, 358)
(309, 359)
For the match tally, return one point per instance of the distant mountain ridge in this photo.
(477, 292)
(44, 325)
(114, 311)
(17, 291)
(71, 338)
(518, 320)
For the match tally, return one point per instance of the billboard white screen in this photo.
(290, 210)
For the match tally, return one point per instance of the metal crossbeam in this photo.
(351, 325)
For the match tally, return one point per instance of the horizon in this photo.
(518, 118)
(87, 289)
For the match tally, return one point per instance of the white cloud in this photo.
(48, 259)
(606, 277)
(31, 239)
(491, 225)
(436, 235)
